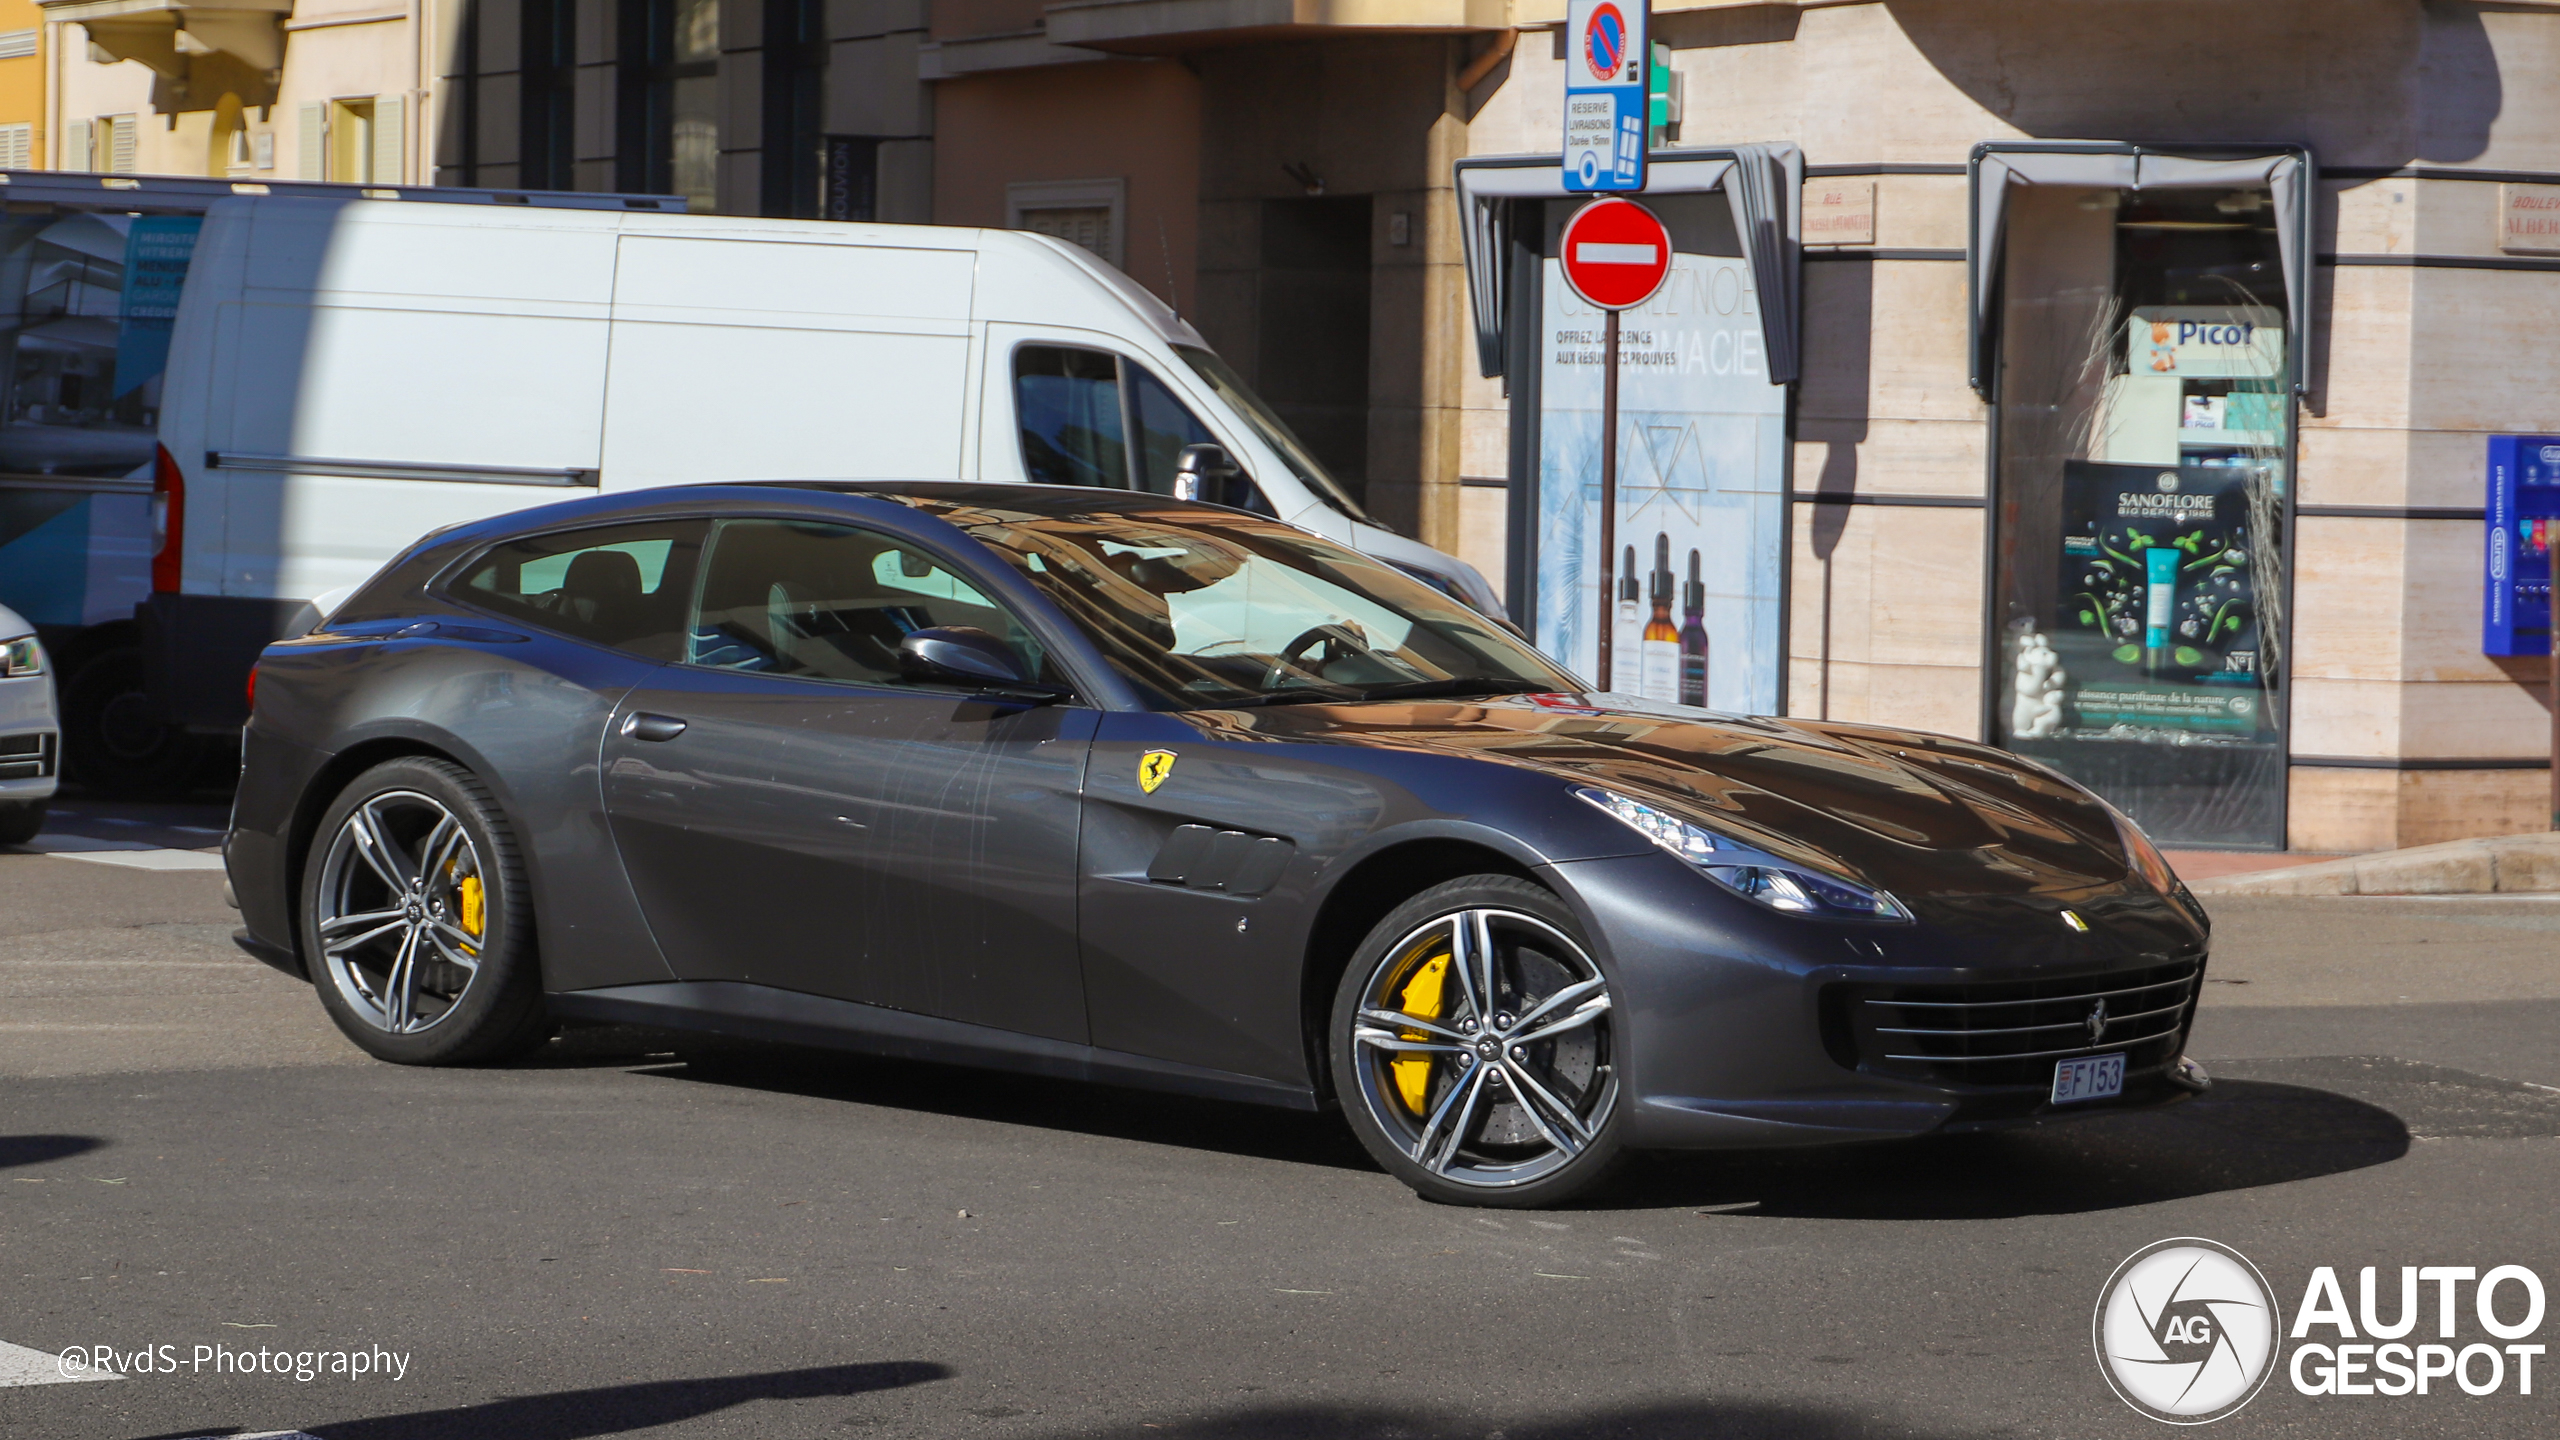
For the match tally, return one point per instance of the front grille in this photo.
(26, 757)
(2006, 1033)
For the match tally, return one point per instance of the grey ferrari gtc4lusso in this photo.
(1115, 788)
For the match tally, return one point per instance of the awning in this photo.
(1763, 183)
(2288, 172)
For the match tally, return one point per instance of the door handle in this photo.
(641, 725)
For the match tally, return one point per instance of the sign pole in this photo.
(1615, 254)
(1609, 517)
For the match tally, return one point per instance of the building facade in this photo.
(2276, 260)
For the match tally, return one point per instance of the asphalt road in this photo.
(609, 1242)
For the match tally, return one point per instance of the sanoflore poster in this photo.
(1693, 590)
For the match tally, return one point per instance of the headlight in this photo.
(1752, 874)
(22, 656)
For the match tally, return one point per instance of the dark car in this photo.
(1115, 788)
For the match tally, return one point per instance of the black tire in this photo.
(492, 1012)
(112, 739)
(20, 821)
(1499, 1172)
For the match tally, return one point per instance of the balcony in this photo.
(197, 53)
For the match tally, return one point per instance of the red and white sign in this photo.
(1616, 254)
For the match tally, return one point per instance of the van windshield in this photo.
(1274, 431)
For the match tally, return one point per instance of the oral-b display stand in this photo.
(1704, 370)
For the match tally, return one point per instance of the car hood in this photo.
(1927, 817)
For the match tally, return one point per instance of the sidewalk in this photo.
(2499, 864)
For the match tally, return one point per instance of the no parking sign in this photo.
(1608, 46)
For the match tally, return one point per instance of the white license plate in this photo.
(2093, 1078)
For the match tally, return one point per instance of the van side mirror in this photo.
(972, 659)
(1203, 471)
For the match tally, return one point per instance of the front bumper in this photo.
(30, 738)
(1729, 1030)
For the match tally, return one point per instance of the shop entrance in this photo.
(2143, 441)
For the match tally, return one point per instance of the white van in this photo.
(347, 375)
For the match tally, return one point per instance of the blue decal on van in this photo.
(157, 251)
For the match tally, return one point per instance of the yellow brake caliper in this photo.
(475, 911)
(1422, 1000)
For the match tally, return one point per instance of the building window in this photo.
(17, 147)
(2143, 427)
(1090, 214)
(359, 140)
(17, 44)
(849, 187)
(672, 118)
(795, 77)
(548, 154)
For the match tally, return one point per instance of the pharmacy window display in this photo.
(2143, 444)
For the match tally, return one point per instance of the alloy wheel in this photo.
(1483, 1048)
(403, 909)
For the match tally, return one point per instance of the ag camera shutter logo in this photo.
(2185, 1331)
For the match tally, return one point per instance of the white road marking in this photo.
(143, 857)
(22, 1366)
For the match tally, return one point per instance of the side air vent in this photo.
(1197, 857)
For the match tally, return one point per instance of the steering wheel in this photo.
(1340, 640)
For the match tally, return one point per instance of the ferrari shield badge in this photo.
(1153, 767)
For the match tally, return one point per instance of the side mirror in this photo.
(959, 655)
(1203, 471)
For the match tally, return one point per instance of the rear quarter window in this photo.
(622, 586)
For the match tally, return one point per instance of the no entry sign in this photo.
(1616, 254)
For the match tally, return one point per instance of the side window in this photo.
(1165, 425)
(831, 602)
(618, 585)
(1068, 403)
(1078, 411)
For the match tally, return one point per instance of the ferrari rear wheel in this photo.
(416, 924)
(1472, 1047)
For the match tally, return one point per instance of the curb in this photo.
(2496, 865)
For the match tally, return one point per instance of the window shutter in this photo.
(124, 140)
(17, 147)
(388, 149)
(75, 145)
(313, 162)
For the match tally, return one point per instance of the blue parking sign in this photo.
(1607, 48)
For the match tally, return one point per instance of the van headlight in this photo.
(22, 656)
(1753, 874)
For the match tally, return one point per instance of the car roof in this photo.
(1041, 500)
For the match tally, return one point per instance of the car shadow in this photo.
(18, 1150)
(1152, 1117)
(620, 1409)
(2242, 1135)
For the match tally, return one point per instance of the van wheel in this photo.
(112, 738)
(416, 921)
(1472, 1047)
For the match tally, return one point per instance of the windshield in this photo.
(1274, 431)
(1205, 614)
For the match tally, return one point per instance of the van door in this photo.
(740, 359)
(1067, 408)
(388, 369)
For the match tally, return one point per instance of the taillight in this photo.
(253, 687)
(168, 522)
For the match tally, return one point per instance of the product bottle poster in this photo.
(2158, 631)
(1701, 476)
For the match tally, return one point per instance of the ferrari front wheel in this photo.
(1472, 1047)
